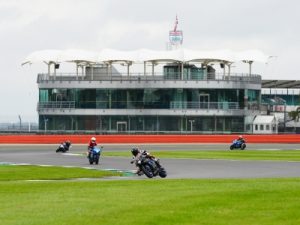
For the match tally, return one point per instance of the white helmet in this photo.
(93, 139)
(240, 136)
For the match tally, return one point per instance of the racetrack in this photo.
(176, 168)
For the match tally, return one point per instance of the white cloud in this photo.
(17, 14)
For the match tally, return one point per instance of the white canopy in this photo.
(77, 55)
(144, 55)
(264, 119)
(47, 56)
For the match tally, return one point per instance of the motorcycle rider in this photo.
(91, 145)
(64, 146)
(137, 153)
(67, 145)
(241, 139)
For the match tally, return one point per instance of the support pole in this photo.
(182, 67)
(152, 68)
(92, 71)
(76, 70)
(128, 64)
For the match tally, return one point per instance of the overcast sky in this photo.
(271, 26)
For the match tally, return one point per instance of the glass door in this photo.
(121, 126)
(203, 101)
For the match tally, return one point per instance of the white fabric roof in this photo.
(49, 55)
(141, 55)
(77, 55)
(263, 119)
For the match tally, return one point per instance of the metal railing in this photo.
(56, 105)
(138, 105)
(205, 105)
(237, 77)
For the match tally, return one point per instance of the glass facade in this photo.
(143, 124)
(150, 98)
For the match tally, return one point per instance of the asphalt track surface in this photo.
(176, 168)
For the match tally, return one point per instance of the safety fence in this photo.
(126, 139)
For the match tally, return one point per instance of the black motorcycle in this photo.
(64, 147)
(150, 167)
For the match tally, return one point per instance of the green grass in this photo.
(13, 172)
(152, 202)
(280, 155)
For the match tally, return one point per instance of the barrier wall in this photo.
(118, 139)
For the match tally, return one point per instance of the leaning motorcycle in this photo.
(151, 167)
(64, 147)
(236, 144)
(94, 155)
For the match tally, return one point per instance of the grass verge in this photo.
(159, 202)
(28, 172)
(280, 155)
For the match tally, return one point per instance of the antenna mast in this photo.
(175, 37)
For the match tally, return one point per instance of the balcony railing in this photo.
(238, 77)
(205, 105)
(56, 105)
(138, 105)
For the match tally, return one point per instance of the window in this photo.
(267, 127)
(256, 127)
(248, 128)
(261, 127)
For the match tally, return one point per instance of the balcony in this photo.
(56, 105)
(121, 105)
(237, 77)
(206, 105)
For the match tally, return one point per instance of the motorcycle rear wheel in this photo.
(147, 170)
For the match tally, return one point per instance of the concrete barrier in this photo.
(84, 139)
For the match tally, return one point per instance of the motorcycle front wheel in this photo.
(162, 172)
(97, 160)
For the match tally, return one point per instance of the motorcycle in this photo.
(236, 144)
(64, 147)
(150, 167)
(94, 155)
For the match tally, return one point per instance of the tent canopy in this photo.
(264, 119)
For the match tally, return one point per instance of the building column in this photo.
(182, 67)
(109, 121)
(246, 99)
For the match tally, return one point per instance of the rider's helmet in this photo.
(68, 142)
(240, 137)
(135, 151)
(93, 139)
